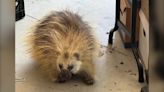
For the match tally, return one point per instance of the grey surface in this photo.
(7, 54)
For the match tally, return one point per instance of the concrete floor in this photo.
(116, 67)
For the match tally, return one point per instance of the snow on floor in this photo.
(99, 13)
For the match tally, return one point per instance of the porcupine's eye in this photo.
(77, 56)
(70, 67)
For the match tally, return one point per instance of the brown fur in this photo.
(61, 37)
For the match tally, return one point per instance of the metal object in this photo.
(20, 10)
(135, 4)
(110, 40)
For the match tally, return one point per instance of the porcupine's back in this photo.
(61, 32)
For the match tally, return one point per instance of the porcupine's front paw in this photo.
(63, 76)
(89, 81)
(87, 78)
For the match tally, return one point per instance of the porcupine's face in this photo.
(69, 62)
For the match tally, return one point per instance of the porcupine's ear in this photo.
(77, 56)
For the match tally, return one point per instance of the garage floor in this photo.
(116, 67)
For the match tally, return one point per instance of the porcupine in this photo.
(63, 44)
